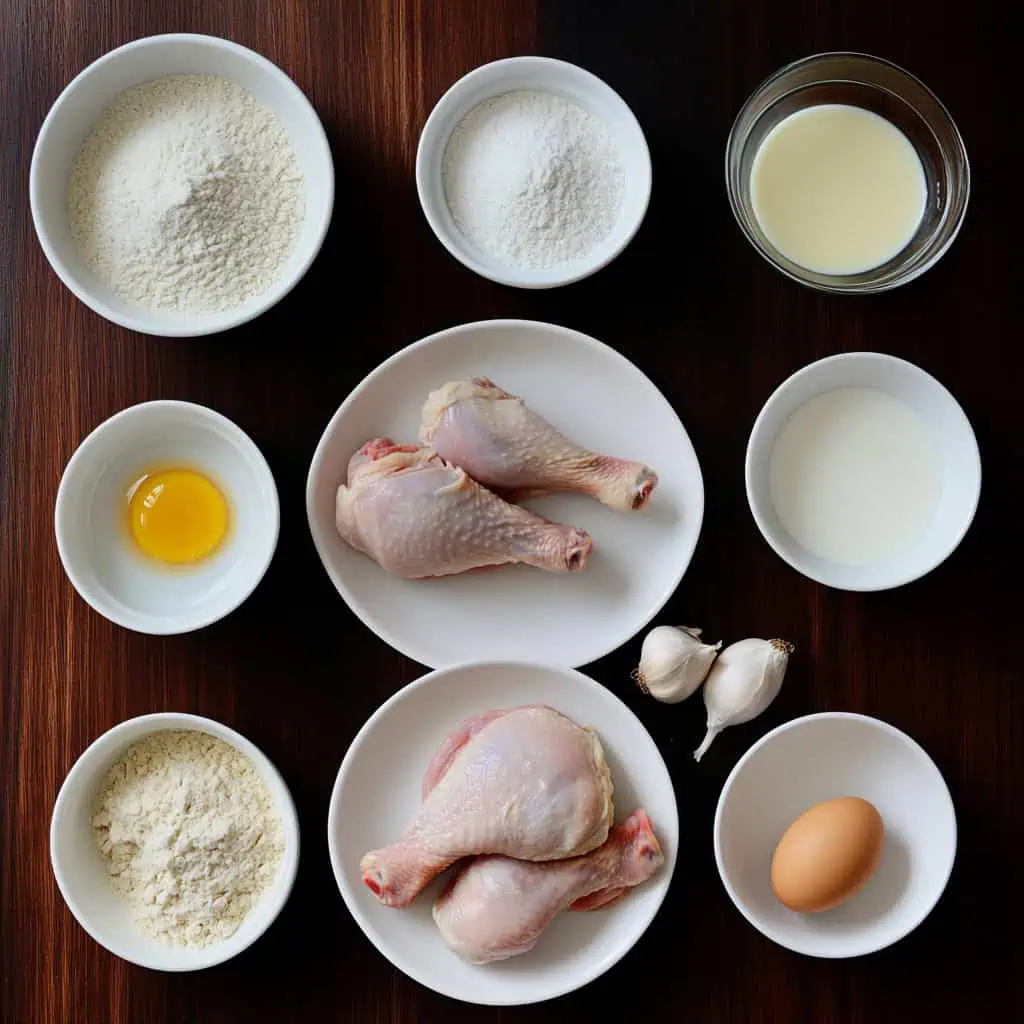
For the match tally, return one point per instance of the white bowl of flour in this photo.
(174, 842)
(181, 185)
(533, 172)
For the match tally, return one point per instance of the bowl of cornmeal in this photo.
(174, 842)
(181, 185)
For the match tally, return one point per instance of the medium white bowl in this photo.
(955, 446)
(599, 399)
(378, 790)
(79, 106)
(816, 758)
(91, 521)
(540, 74)
(82, 875)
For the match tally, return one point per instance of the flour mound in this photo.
(533, 180)
(187, 196)
(189, 834)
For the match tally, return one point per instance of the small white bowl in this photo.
(82, 875)
(91, 521)
(955, 445)
(80, 105)
(816, 758)
(540, 74)
(378, 790)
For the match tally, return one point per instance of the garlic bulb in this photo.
(673, 662)
(744, 680)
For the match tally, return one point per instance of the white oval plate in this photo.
(599, 399)
(378, 789)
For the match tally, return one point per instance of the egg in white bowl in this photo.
(166, 518)
(790, 776)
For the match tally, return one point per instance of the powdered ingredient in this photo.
(187, 196)
(533, 180)
(188, 830)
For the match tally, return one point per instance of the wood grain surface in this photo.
(714, 326)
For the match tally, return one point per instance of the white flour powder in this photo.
(532, 179)
(189, 833)
(187, 196)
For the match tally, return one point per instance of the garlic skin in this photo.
(674, 662)
(744, 680)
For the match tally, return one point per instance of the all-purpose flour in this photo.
(187, 196)
(189, 833)
(532, 179)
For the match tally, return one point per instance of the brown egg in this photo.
(827, 854)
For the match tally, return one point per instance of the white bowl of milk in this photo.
(863, 472)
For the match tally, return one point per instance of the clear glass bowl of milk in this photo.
(847, 173)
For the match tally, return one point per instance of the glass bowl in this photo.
(879, 86)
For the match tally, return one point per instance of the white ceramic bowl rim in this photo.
(273, 899)
(200, 324)
(758, 500)
(430, 145)
(183, 624)
(795, 723)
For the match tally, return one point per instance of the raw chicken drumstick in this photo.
(418, 516)
(524, 782)
(503, 444)
(497, 907)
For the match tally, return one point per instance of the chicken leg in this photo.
(528, 783)
(500, 442)
(417, 516)
(498, 907)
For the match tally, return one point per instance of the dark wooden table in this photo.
(714, 326)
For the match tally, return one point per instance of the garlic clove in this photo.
(673, 662)
(743, 681)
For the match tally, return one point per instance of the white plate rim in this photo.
(319, 543)
(665, 875)
(793, 723)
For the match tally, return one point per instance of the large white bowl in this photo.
(84, 99)
(377, 791)
(602, 401)
(816, 758)
(91, 519)
(541, 74)
(955, 446)
(82, 875)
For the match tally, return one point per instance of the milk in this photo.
(837, 189)
(854, 476)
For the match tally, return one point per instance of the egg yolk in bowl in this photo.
(177, 516)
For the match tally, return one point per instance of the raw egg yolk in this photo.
(177, 516)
